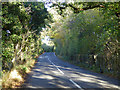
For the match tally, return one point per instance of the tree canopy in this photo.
(21, 23)
(85, 33)
(88, 33)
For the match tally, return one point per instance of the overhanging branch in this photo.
(76, 10)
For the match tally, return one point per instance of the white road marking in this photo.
(75, 84)
(63, 73)
(56, 66)
(54, 54)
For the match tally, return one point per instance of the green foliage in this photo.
(38, 14)
(15, 38)
(47, 48)
(90, 37)
(22, 41)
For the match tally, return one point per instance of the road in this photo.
(51, 72)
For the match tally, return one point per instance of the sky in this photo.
(46, 39)
(48, 3)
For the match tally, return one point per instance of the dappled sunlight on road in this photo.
(47, 73)
(104, 84)
(88, 78)
(44, 77)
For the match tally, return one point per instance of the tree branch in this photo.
(76, 10)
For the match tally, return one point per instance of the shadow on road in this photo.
(46, 75)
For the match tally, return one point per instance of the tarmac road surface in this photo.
(51, 72)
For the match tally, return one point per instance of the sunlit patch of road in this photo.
(51, 72)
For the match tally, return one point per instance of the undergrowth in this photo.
(92, 68)
(15, 77)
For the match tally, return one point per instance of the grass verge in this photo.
(16, 77)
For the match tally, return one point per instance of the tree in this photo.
(38, 14)
(19, 31)
(90, 35)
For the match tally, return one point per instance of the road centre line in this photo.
(63, 73)
(75, 84)
(56, 66)
(54, 54)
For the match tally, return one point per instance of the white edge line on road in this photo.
(75, 84)
(56, 66)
